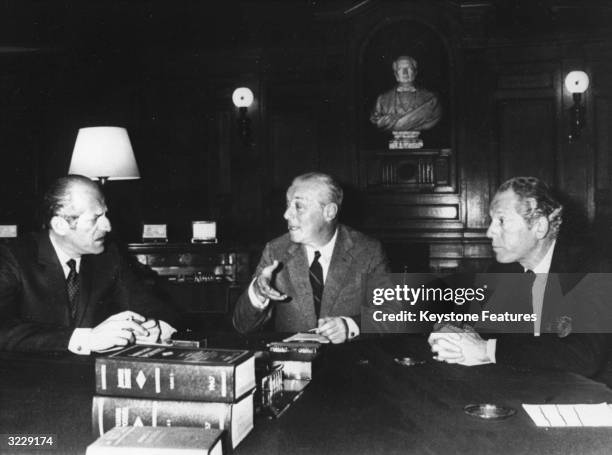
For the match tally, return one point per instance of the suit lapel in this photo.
(85, 285)
(338, 271)
(53, 275)
(297, 268)
(569, 269)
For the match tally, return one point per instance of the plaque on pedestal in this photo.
(405, 140)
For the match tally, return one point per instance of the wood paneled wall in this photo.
(506, 113)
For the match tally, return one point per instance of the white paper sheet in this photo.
(570, 415)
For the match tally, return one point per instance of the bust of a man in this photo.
(406, 107)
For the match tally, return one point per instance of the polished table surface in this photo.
(359, 401)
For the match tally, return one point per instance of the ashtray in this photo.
(489, 411)
(408, 361)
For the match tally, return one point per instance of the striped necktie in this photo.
(316, 281)
(72, 286)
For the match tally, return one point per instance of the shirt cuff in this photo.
(166, 331)
(254, 298)
(491, 347)
(80, 342)
(353, 328)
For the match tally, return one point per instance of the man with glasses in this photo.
(63, 288)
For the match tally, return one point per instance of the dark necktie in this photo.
(316, 281)
(536, 302)
(72, 285)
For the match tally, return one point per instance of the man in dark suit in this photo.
(314, 273)
(63, 289)
(525, 221)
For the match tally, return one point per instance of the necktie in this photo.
(316, 281)
(72, 286)
(537, 284)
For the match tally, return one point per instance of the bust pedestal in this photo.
(405, 140)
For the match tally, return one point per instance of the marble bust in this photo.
(406, 109)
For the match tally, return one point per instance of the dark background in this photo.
(166, 71)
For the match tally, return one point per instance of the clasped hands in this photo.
(453, 344)
(334, 328)
(122, 329)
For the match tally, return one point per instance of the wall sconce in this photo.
(576, 82)
(243, 98)
(104, 153)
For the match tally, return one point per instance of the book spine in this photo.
(120, 377)
(110, 412)
(294, 355)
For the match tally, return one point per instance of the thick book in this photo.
(176, 373)
(157, 441)
(235, 418)
(304, 351)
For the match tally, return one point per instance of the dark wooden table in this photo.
(359, 402)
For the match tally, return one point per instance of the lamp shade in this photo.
(242, 97)
(104, 152)
(576, 81)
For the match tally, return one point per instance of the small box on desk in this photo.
(204, 232)
(157, 440)
(155, 233)
(8, 231)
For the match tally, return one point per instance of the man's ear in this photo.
(59, 225)
(330, 211)
(542, 227)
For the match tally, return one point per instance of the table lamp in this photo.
(104, 153)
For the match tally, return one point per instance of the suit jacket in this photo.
(354, 254)
(34, 307)
(582, 353)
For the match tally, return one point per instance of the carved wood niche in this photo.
(412, 195)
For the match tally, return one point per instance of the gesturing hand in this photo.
(263, 284)
(119, 329)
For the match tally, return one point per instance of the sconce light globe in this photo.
(576, 82)
(242, 97)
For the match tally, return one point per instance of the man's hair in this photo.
(412, 61)
(58, 198)
(545, 203)
(333, 191)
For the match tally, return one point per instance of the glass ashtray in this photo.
(489, 411)
(408, 361)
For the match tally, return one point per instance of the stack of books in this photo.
(167, 386)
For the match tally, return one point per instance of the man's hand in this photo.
(152, 326)
(120, 329)
(262, 284)
(463, 346)
(445, 345)
(333, 328)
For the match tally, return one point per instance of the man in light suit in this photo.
(63, 289)
(525, 222)
(287, 287)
